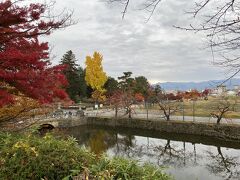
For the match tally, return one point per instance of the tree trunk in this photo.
(116, 112)
(218, 120)
(129, 114)
(147, 112)
(168, 117)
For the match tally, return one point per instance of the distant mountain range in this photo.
(183, 86)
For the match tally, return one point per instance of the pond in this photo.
(185, 156)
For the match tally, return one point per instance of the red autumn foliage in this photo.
(139, 97)
(28, 21)
(116, 99)
(206, 92)
(193, 94)
(24, 61)
(172, 97)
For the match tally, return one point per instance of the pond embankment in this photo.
(223, 131)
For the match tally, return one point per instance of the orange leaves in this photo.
(23, 108)
(98, 95)
(139, 97)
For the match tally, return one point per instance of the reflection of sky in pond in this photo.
(184, 160)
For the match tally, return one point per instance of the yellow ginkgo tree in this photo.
(95, 76)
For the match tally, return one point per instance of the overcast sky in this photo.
(155, 49)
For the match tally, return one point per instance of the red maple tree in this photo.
(115, 100)
(25, 68)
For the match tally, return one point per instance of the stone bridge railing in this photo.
(63, 122)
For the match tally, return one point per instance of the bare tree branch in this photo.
(219, 20)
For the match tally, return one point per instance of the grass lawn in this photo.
(204, 108)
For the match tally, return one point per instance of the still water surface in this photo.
(186, 157)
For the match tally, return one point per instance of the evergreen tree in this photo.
(83, 90)
(111, 85)
(72, 74)
(126, 82)
(141, 85)
(126, 85)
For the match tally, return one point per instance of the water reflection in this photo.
(188, 157)
(224, 165)
(98, 142)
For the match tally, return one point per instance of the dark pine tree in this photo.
(72, 75)
(83, 91)
(111, 86)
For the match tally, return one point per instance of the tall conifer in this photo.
(71, 73)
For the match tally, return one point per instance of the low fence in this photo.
(194, 111)
(154, 114)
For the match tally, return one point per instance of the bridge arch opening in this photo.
(44, 128)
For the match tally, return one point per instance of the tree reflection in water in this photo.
(124, 145)
(223, 165)
(100, 141)
(179, 155)
(168, 153)
(172, 154)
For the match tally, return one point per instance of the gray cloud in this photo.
(155, 49)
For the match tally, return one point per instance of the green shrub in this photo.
(32, 157)
(119, 168)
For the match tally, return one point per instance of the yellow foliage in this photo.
(99, 95)
(97, 142)
(95, 76)
(26, 147)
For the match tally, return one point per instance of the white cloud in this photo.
(155, 49)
